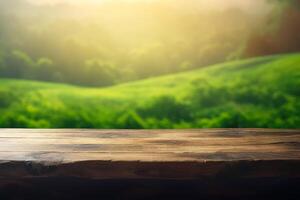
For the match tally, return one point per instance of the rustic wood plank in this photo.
(72, 145)
(149, 164)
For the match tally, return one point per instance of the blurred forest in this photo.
(150, 64)
(119, 42)
(256, 93)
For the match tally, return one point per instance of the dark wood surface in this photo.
(230, 164)
(148, 145)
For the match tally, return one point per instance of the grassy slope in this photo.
(260, 92)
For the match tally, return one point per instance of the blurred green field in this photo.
(260, 92)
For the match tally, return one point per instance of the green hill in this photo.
(260, 92)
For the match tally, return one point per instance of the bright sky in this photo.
(249, 5)
(217, 3)
(75, 1)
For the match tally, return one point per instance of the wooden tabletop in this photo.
(72, 145)
(144, 164)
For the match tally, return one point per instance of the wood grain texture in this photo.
(70, 145)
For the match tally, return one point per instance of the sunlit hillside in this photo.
(261, 92)
(149, 63)
(110, 42)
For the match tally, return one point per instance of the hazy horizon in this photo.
(245, 4)
(149, 64)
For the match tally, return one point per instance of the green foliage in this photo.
(130, 120)
(165, 107)
(6, 98)
(106, 46)
(261, 92)
(98, 72)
